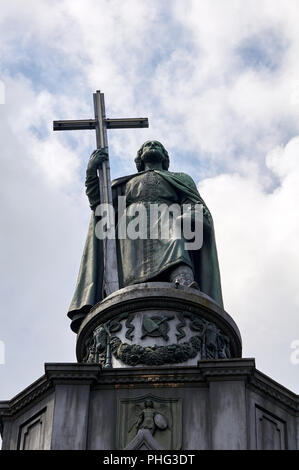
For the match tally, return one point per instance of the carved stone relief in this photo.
(156, 338)
(161, 417)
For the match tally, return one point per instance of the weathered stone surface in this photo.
(225, 404)
(70, 417)
(228, 414)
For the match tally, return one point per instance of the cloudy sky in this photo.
(219, 82)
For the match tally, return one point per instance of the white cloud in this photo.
(257, 235)
(43, 220)
(182, 64)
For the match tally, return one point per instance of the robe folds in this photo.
(144, 260)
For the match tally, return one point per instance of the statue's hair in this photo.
(140, 164)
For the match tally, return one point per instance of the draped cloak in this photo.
(89, 291)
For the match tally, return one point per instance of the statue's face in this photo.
(148, 404)
(152, 150)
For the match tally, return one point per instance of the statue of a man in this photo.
(147, 418)
(146, 259)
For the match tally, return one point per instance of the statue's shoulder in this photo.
(123, 179)
(180, 174)
(183, 177)
(186, 184)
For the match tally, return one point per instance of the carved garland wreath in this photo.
(135, 354)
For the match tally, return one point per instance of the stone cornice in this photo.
(54, 374)
(72, 372)
(157, 377)
(262, 383)
(213, 370)
(31, 394)
(200, 376)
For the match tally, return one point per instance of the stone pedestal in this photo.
(156, 324)
(158, 368)
(217, 404)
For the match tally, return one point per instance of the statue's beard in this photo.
(152, 156)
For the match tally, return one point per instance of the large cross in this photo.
(100, 123)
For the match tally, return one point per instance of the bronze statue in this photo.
(146, 259)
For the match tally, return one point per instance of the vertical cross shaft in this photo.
(100, 123)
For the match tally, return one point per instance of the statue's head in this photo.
(152, 149)
(148, 404)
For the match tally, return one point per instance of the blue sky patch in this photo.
(263, 51)
(46, 67)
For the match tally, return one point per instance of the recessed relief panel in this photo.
(270, 431)
(32, 433)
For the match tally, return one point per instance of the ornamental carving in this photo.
(110, 340)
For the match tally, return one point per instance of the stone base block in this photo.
(216, 404)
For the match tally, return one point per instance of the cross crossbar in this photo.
(121, 123)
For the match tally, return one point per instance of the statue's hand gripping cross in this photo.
(100, 123)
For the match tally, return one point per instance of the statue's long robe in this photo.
(204, 261)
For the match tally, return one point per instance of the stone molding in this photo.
(261, 383)
(235, 368)
(206, 371)
(54, 374)
(31, 394)
(64, 373)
